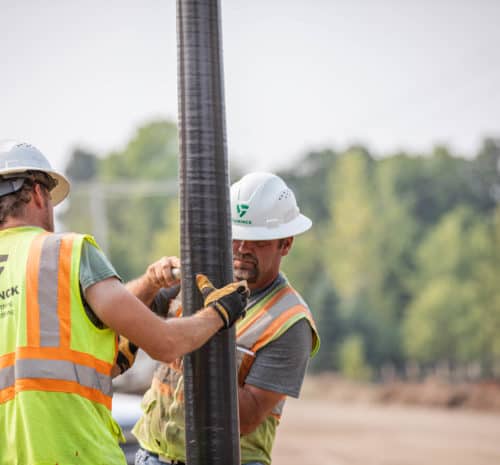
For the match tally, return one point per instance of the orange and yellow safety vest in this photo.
(161, 427)
(55, 365)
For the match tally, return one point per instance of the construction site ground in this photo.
(339, 424)
(336, 422)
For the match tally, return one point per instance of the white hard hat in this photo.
(264, 208)
(19, 157)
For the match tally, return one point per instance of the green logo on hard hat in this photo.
(242, 208)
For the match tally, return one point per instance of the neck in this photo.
(38, 212)
(19, 222)
(261, 288)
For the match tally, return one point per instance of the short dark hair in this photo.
(13, 205)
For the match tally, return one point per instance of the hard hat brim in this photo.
(61, 191)
(245, 232)
(58, 194)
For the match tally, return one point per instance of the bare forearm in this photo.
(189, 333)
(159, 274)
(163, 340)
(143, 289)
(248, 411)
(255, 404)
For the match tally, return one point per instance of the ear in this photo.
(286, 246)
(39, 195)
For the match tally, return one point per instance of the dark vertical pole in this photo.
(210, 388)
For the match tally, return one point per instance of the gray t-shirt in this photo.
(279, 366)
(94, 267)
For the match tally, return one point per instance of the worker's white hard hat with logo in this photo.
(264, 208)
(18, 159)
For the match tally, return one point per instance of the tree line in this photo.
(400, 268)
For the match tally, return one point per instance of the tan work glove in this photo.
(229, 301)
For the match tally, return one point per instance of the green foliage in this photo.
(352, 215)
(133, 208)
(313, 195)
(410, 252)
(82, 168)
(352, 359)
(456, 313)
(167, 241)
(151, 154)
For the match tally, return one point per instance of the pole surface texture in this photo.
(210, 386)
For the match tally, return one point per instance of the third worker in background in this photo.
(274, 341)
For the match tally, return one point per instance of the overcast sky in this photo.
(298, 74)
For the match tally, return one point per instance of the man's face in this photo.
(259, 261)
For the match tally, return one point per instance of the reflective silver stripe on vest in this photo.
(7, 377)
(60, 370)
(252, 333)
(48, 290)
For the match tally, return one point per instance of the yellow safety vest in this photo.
(265, 322)
(161, 427)
(55, 365)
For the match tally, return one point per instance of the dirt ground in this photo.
(329, 432)
(432, 423)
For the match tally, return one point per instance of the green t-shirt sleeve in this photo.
(94, 266)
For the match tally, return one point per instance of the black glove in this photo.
(229, 301)
(127, 351)
(163, 299)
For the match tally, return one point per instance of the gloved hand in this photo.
(127, 351)
(228, 301)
